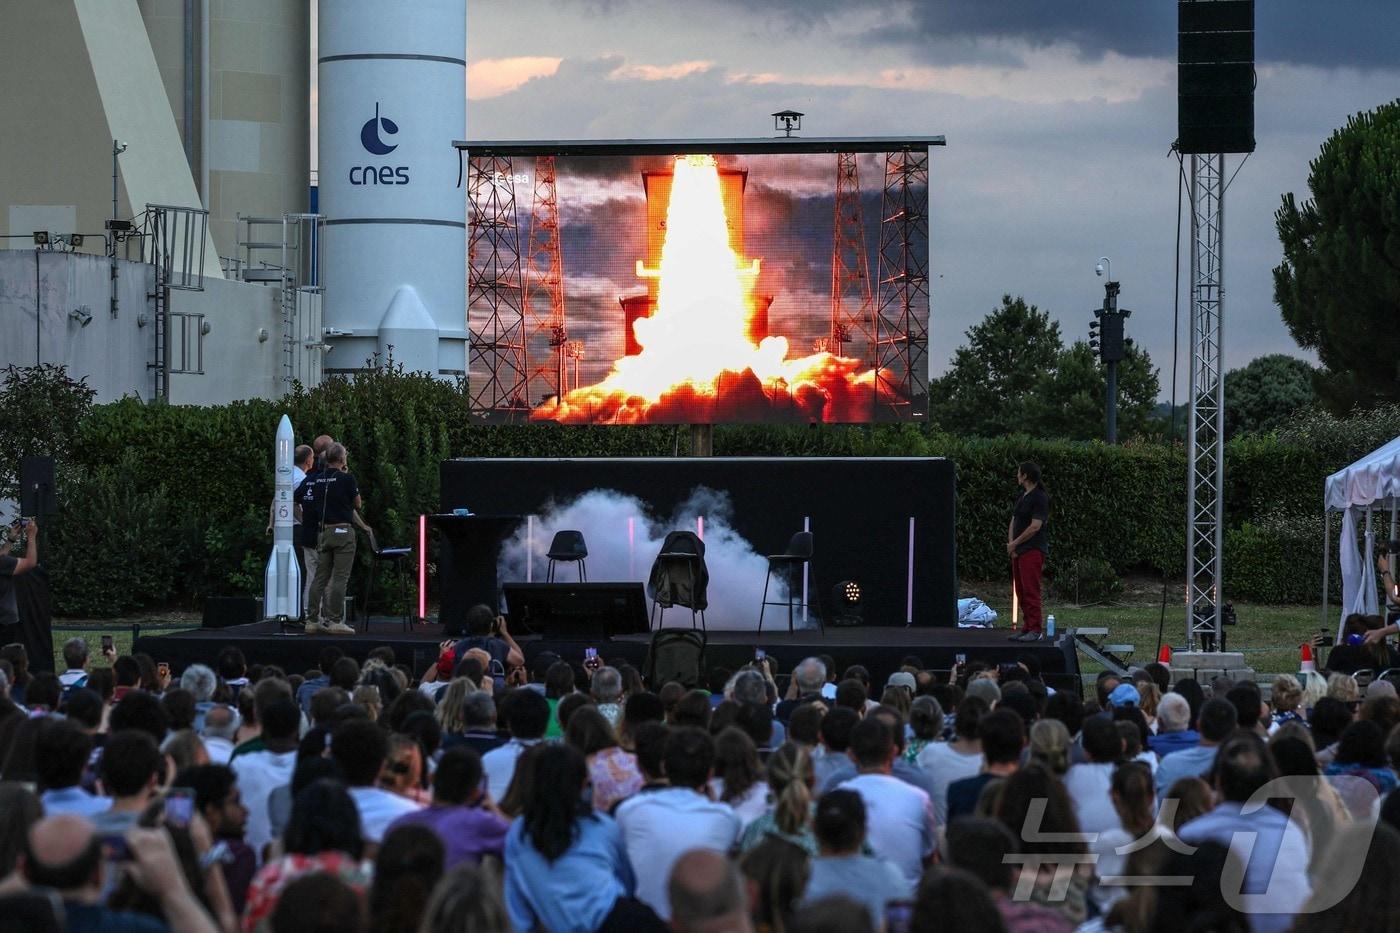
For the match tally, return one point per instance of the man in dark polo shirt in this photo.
(11, 567)
(307, 534)
(1026, 545)
(337, 498)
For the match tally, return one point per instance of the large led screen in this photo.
(698, 288)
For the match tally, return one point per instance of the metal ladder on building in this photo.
(173, 241)
(296, 273)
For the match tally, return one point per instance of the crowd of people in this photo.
(488, 794)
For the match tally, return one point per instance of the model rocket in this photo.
(282, 584)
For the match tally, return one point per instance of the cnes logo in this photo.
(372, 138)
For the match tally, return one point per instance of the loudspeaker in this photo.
(1215, 76)
(577, 610)
(228, 611)
(37, 496)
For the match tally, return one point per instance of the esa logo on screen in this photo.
(372, 138)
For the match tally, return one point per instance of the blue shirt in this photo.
(1276, 878)
(1189, 762)
(1165, 743)
(576, 891)
(74, 800)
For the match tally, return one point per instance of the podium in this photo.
(467, 569)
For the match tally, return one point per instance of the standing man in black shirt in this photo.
(1027, 545)
(11, 567)
(335, 500)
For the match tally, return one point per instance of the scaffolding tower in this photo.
(498, 373)
(901, 318)
(544, 290)
(852, 303)
(1205, 452)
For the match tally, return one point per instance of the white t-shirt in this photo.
(378, 808)
(944, 765)
(660, 826)
(259, 774)
(1088, 785)
(749, 807)
(499, 765)
(900, 824)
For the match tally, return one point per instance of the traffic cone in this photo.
(1165, 655)
(1307, 665)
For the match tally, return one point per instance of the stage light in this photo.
(845, 603)
(41, 238)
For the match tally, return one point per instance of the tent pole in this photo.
(1326, 559)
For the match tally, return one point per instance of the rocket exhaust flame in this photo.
(697, 362)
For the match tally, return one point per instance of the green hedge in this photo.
(168, 504)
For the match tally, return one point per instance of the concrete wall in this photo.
(74, 75)
(251, 88)
(242, 351)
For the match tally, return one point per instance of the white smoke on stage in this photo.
(623, 539)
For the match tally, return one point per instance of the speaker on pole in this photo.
(37, 496)
(1215, 76)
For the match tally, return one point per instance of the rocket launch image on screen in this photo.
(699, 288)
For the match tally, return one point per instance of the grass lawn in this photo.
(1267, 635)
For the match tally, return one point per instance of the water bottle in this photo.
(1050, 627)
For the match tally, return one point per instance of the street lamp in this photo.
(1106, 336)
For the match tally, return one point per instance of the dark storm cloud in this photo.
(1334, 33)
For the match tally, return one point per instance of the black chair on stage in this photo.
(679, 577)
(568, 546)
(789, 566)
(398, 558)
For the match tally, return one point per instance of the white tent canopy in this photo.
(1368, 484)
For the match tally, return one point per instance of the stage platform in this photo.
(879, 649)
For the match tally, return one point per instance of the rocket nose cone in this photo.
(284, 426)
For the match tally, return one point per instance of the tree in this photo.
(1071, 400)
(1261, 396)
(985, 390)
(1338, 286)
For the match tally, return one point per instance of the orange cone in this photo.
(1307, 665)
(1165, 655)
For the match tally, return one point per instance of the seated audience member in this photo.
(132, 773)
(461, 814)
(777, 872)
(658, 826)
(220, 727)
(201, 682)
(950, 899)
(987, 849)
(925, 726)
(803, 727)
(323, 837)
(1048, 745)
(1317, 805)
(318, 902)
(218, 801)
(361, 748)
(1174, 731)
(1285, 696)
(1368, 901)
(750, 686)
(900, 824)
(406, 870)
(1217, 720)
(63, 853)
(1033, 805)
(312, 685)
(613, 772)
(487, 631)
(1003, 737)
(1088, 784)
(261, 772)
(834, 765)
(606, 688)
(738, 779)
(61, 753)
(1328, 720)
(910, 774)
(788, 816)
(841, 869)
(75, 661)
(478, 725)
(566, 867)
(808, 678)
(1359, 771)
(1279, 869)
(527, 716)
(468, 899)
(707, 894)
(946, 762)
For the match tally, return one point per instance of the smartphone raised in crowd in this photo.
(590, 654)
(759, 654)
(106, 642)
(960, 658)
(179, 806)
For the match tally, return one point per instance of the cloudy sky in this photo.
(1059, 116)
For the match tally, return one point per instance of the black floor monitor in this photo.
(577, 610)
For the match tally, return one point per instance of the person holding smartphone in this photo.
(11, 567)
